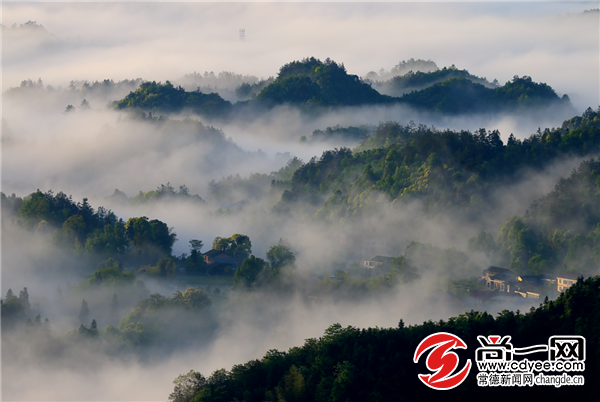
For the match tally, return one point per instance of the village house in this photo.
(501, 279)
(377, 262)
(219, 263)
(566, 279)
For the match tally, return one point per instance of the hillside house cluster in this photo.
(504, 282)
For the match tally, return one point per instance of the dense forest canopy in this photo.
(353, 364)
(167, 98)
(444, 169)
(317, 86)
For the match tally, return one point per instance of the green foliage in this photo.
(13, 311)
(165, 192)
(111, 240)
(247, 275)
(458, 95)
(352, 364)
(448, 171)
(56, 209)
(154, 234)
(10, 205)
(238, 245)
(82, 333)
(414, 81)
(312, 84)
(402, 270)
(165, 321)
(164, 268)
(280, 256)
(248, 91)
(194, 263)
(560, 231)
(110, 273)
(167, 98)
(186, 386)
(338, 134)
(573, 204)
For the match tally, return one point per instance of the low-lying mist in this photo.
(124, 328)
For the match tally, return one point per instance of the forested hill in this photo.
(559, 232)
(167, 98)
(416, 81)
(459, 95)
(313, 85)
(445, 170)
(376, 364)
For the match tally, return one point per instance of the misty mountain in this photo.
(338, 135)
(418, 80)
(445, 170)
(402, 68)
(461, 95)
(166, 98)
(312, 84)
(353, 364)
(558, 232)
(164, 192)
(231, 86)
(316, 86)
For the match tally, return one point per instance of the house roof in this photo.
(212, 253)
(535, 280)
(380, 258)
(495, 270)
(503, 276)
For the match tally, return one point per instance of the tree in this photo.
(238, 245)
(402, 270)
(69, 109)
(84, 312)
(73, 232)
(163, 236)
(195, 263)
(187, 386)
(280, 256)
(9, 295)
(12, 312)
(93, 325)
(247, 274)
(85, 105)
(24, 300)
(196, 245)
(139, 232)
(192, 299)
(166, 267)
(145, 235)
